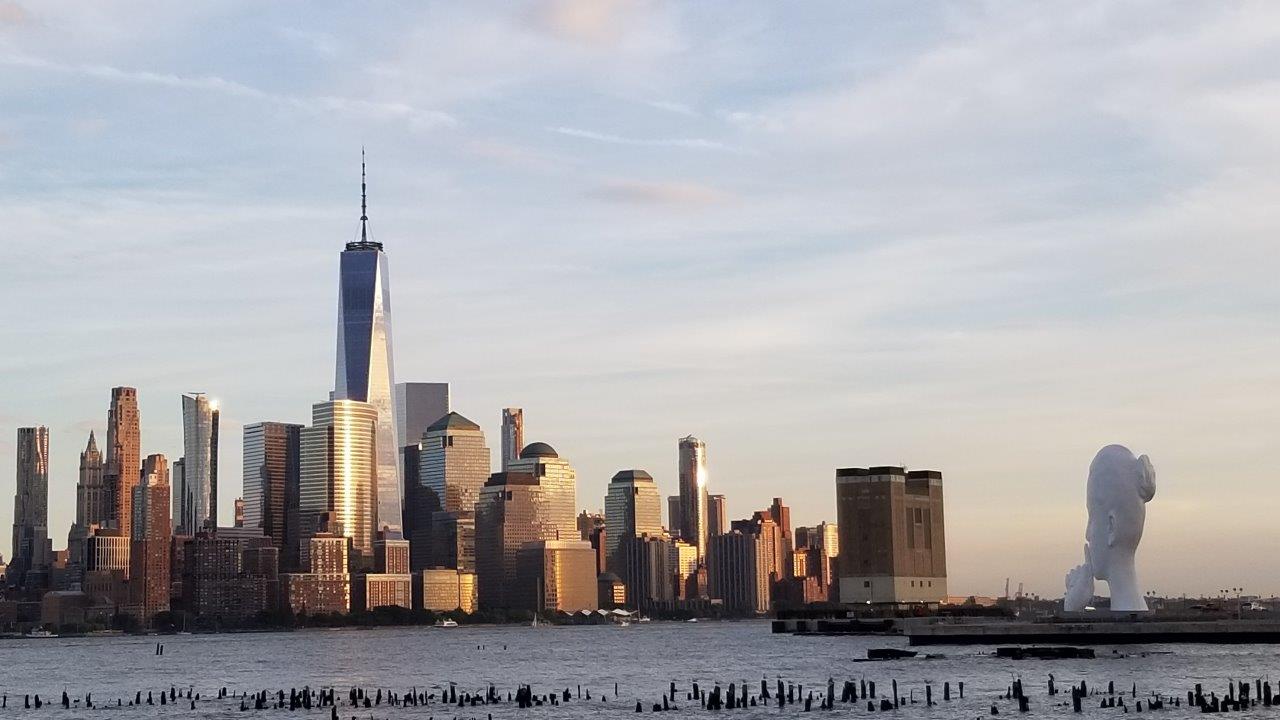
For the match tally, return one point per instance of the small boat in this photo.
(446, 623)
(41, 633)
(643, 619)
(692, 620)
(624, 623)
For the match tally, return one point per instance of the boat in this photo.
(446, 623)
(624, 623)
(41, 633)
(643, 619)
(692, 620)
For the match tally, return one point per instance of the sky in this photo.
(982, 238)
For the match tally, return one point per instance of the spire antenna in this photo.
(364, 201)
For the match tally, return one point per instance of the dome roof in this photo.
(538, 449)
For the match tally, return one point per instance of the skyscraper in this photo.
(674, 518)
(92, 507)
(91, 500)
(513, 510)
(338, 473)
(272, 462)
(693, 493)
(418, 405)
(556, 477)
(781, 515)
(364, 369)
(195, 499)
(512, 435)
(717, 516)
(738, 572)
(150, 540)
(454, 462)
(123, 466)
(892, 540)
(31, 546)
(632, 508)
(453, 466)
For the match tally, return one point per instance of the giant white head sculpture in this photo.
(1120, 485)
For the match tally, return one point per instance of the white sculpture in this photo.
(1120, 485)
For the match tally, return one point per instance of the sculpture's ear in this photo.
(1111, 528)
(1147, 483)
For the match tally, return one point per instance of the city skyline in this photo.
(913, 242)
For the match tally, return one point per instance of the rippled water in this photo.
(642, 660)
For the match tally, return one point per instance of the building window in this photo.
(866, 583)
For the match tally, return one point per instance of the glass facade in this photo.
(513, 510)
(694, 524)
(338, 472)
(195, 496)
(512, 435)
(364, 367)
(632, 507)
(454, 462)
(559, 482)
(271, 465)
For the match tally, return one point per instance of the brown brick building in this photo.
(892, 540)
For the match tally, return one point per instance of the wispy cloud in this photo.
(417, 118)
(659, 193)
(696, 143)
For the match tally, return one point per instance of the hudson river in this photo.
(641, 659)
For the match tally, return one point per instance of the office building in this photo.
(611, 592)
(514, 509)
(149, 548)
(717, 516)
(559, 483)
(418, 406)
(453, 466)
(781, 516)
(32, 549)
(632, 507)
(693, 493)
(364, 369)
(445, 590)
(229, 575)
(512, 435)
(338, 474)
(773, 546)
(648, 567)
(557, 575)
(92, 508)
(124, 459)
(390, 584)
(272, 467)
(453, 540)
(195, 488)
(674, 519)
(892, 541)
(327, 587)
(738, 572)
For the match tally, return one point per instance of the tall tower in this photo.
(364, 370)
(632, 508)
(559, 483)
(91, 504)
(151, 534)
(693, 493)
(338, 473)
(123, 456)
(717, 516)
(271, 465)
(195, 504)
(512, 435)
(31, 504)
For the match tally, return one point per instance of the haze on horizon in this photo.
(983, 238)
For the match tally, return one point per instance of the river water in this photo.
(641, 659)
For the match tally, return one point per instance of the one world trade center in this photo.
(364, 370)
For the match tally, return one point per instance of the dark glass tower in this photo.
(364, 369)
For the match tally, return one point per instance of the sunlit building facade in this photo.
(512, 435)
(514, 509)
(124, 458)
(558, 575)
(151, 533)
(195, 488)
(559, 484)
(32, 549)
(693, 493)
(272, 464)
(632, 507)
(446, 590)
(338, 473)
(364, 369)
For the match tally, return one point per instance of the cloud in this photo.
(660, 193)
(594, 22)
(697, 143)
(416, 118)
(11, 13)
(673, 107)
